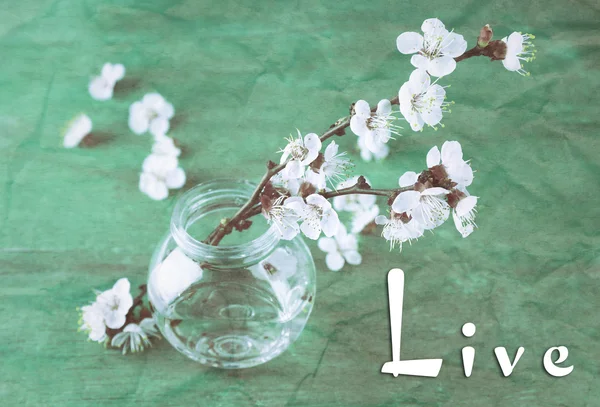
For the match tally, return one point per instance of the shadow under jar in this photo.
(236, 305)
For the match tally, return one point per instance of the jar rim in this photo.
(197, 200)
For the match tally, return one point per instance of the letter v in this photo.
(504, 362)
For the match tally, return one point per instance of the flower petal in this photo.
(419, 61)
(451, 153)
(412, 117)
(384, 107)
(352, 257)
(318, 179)
(327, 244)
(334, 261)
(159, 126)
(433, 157)
(454, 45)
(293, 169)
(138, 119)
(381, 220)
(175, 178)
(114, 320)
(331, 150)
(419, 81)
(381, 135)
(122, 286)
(435, 191)
(515, 43)
(432, 25)
(404, 96)
(298, 205)
(511, 63)
(461, 173)
(358, 125)
(429, 217)
(409, 178)
(432, 116)
(464, 229)
(100, 88)
(466, 205)
(330, 223)
(153, 187)
(318, 200)
(289, 228)
(311, 229)
(435, 95)
(312, 142)
(79, 128)
(372, 142)
(406, 201)
(441, 66)
(362, 109)
(409, 42)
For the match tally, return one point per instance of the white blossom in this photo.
(341, 248)
(316, 214)
(292, 185)
(375, 128)
(300, 151)
(451, 157)
(92, 322)
(422, 102)
(518, 48)
(159, 174)
(101, 87)
(381, 150)
(152, 114)
(283, 217)
(427, 207)
(278, 266)
(464, 215)
(352, 202)
(362, 206)
(435, 50)
(135, 337)
(115, 303)
(78, 128)
(363, 218)
(397, 230)
(164, 145)
(334, 167)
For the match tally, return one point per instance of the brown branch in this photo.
(495, 50)
(251, 208)
(357, 189)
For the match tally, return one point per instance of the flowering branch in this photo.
(284, 192)
(112, 320)
(293, 195)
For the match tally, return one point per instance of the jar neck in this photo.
(198, 203)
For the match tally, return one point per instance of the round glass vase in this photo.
(235, 305)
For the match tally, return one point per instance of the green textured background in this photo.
(241, 77)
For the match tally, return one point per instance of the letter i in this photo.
(468, 352)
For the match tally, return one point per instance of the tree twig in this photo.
(252, 206)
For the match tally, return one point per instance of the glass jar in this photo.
(235, 305)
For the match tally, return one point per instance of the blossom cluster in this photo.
(109, 320)
(430, 197)
(295, 200)
(422, 101)
(160, 170)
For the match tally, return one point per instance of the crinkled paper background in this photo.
(243, 75)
